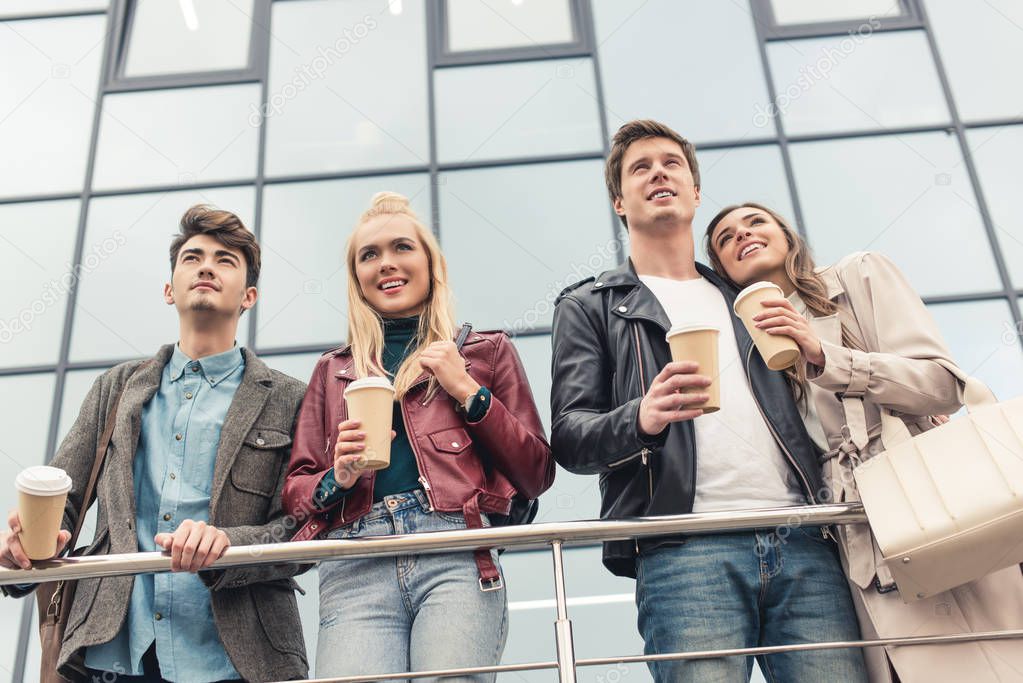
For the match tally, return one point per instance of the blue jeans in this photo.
(407, 613)
(748, 589)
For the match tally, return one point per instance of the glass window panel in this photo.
(572, 496)
(347, 87)
(496, 24)
(47, 102)
(187, 36)
(25, 424)
(180, 136)
(298, 365)
(533, 248)
(523, 109)
(815, 11)
(996, 152)
(664, 80)
(120, 312)
(37, 243)
(14, 8)
(982, 39)
(736, 175)
(835, 84)
(908, 196)
(984, 342)
(304, 295)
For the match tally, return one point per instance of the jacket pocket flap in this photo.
(267, 439)
(451, 440)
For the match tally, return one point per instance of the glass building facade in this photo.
(873, 125)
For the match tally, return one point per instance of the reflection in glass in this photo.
(47, 103)
(815, 11)
(497, 24)
(907, 196)
(347, 87)
(981, 38)
(834, 84)
(177, 137)
(120, 311)
(996, 152)
(520, 109)
(655, 62)
(543, 226)
(984, 342)
(37, 242)
(305, 226)
(186, 36)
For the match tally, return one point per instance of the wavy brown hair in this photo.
(801, 271)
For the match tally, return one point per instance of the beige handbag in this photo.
(946, 505)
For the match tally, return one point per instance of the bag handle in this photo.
(97, 464)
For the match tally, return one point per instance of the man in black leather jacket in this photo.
(617, 412)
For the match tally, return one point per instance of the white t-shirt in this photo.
(739, 465)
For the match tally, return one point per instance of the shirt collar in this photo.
(214, 369)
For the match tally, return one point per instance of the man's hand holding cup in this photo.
(665, 403)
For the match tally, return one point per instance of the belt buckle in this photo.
(489, 585)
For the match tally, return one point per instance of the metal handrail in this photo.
(531, 535)
(554, 535)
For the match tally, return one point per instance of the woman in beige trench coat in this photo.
(866, 346)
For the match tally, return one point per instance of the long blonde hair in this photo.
(365, 325)
(801, 271)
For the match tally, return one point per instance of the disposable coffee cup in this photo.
(698, 343)
(777, 350)
(371, 401)
(42, 492)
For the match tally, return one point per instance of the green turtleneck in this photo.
(403, 474)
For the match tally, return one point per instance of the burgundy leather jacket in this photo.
(464, 467)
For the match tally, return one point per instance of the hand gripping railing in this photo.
(556, 535)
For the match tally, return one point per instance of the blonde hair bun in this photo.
(389, 201)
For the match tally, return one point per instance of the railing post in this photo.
(563, 625)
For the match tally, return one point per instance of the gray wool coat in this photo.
(254, 608)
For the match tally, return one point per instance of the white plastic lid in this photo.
(690, 327)
(43, 480)
(370, 383)
(756, 286)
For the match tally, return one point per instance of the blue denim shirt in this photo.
(173, 470)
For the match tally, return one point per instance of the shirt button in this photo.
(599, 284)
(177, 437)
(188, 394)
(622, 309)
(195, 367)
(260, 442)
(167, 517)
(173, 476)
(158, 616)
(454, 444)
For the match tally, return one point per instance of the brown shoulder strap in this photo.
(101, 452)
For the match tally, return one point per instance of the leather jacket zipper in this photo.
(645, 453)
(777, 439)
(419, 461)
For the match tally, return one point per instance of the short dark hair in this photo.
(226, 228)
(638, 130)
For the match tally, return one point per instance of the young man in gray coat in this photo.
(196, 464)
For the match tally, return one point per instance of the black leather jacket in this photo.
(608, 346)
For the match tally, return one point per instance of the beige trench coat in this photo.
(904, 373)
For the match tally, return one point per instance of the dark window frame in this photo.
(120, 43)
(443, 57)
(763, 13)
